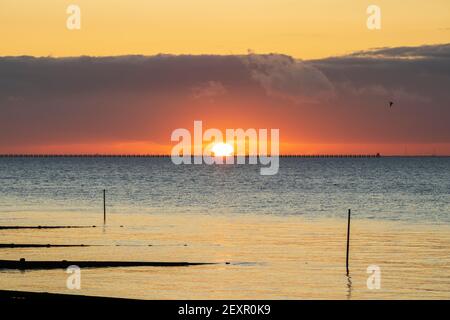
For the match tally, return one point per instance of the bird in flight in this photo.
(390, 104)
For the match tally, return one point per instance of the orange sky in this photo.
(131, 105)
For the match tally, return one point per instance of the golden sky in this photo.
(303, 29)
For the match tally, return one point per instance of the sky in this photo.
(302, 29)
(137, 70)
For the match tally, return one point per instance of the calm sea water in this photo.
(405, 189)
(284, 235)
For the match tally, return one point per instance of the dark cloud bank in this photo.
(142, 98)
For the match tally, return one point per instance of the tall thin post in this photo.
(104, 206)
(348, 239)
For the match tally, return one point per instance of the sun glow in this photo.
(222, 150)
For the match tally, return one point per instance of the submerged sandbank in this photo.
(23, 264)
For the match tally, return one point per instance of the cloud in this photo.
(141, 99)
(209, 90)
(418, 74)
(421, 52)
(283, 76)
(105, 74)
(205, 75)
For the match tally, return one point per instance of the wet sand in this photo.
(272, 257)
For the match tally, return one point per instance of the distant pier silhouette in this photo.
(168, 156)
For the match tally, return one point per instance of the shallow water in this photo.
(271, 257)
(284, 235)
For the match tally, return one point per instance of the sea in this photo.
(270, 237)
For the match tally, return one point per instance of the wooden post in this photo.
(104, 206)
(348, 239)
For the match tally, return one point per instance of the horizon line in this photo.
(132, 155)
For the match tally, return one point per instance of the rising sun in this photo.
(222, 150)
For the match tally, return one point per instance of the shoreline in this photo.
(18, 297)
